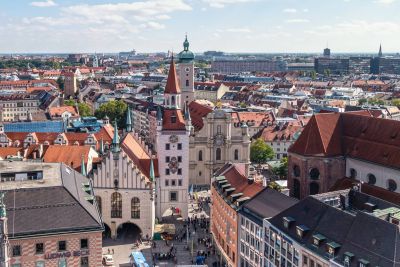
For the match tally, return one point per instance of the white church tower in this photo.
(172, 139)
(186, 74)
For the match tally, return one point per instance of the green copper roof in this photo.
(186, 55)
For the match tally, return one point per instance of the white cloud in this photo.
(92, 26)
(290, 10)
(305, 10)
(385, 2)
(47, 3)
(297, 21)
(239, 30)
(223, 3)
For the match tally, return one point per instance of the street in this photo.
(182, 250)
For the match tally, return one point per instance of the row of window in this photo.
(168, 146)
(218, 154)
(173, 182)
(168, 171)
(371, 179)
(40, 249)
(116, 206)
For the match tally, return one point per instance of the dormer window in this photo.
(173, 119)
(332, 248)
(347, 257)
(301, 230)
(287, 221)
(318, 239)
(363, 263)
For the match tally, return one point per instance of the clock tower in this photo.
(186, 74)
(172, 142)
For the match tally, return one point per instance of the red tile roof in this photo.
(169, 123)
(197, 113)
(9, 151)
(58, 111)
(70, 155)
(350, 134)
(234, 175)
(140, 156)
(172, 86)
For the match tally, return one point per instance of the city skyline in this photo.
(259, 26)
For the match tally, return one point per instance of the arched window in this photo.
(200, 158)
(172, 100)
(98, 200)
(371, 179)
(218, 154)
(392, 185)
(314, 174)
(353, 173)
(236, 154)
(187, 82)
(135, 208)
(296, 171)
(314, 188)
(116, 205)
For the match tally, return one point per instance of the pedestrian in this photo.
(113, 251)
(108, 252)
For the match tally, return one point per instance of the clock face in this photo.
(219, 140)
(173, 164)
(173, 139)
(187, 69)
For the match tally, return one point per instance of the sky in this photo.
(263, 26)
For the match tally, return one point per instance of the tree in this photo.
(60, 82)
(313, 75)
(275, 186)
(260, 152)
(396, 102)
(327, 72)
(84, 109)
(115, 110)
(282, 170)
(362, 101)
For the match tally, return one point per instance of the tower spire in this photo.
(83, 167)
(152, 175)
(380, 50)
(128, 120)
(115, 141)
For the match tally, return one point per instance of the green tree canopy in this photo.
(362, 101)
(275, 186)
(115, 110)
(84, 109)
(396, 102)
(260, 152)
(282, 170)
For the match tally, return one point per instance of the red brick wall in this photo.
(331, 169)
(224, 218)
(29, 256)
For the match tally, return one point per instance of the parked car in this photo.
(108, 260)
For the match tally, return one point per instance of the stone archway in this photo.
(106, 232)
(128, 232)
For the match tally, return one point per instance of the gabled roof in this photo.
(197, 113)
(140, 156)
(351, 134)
(69, 155)
(172, 86)
(321, 136)
(168, 120)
